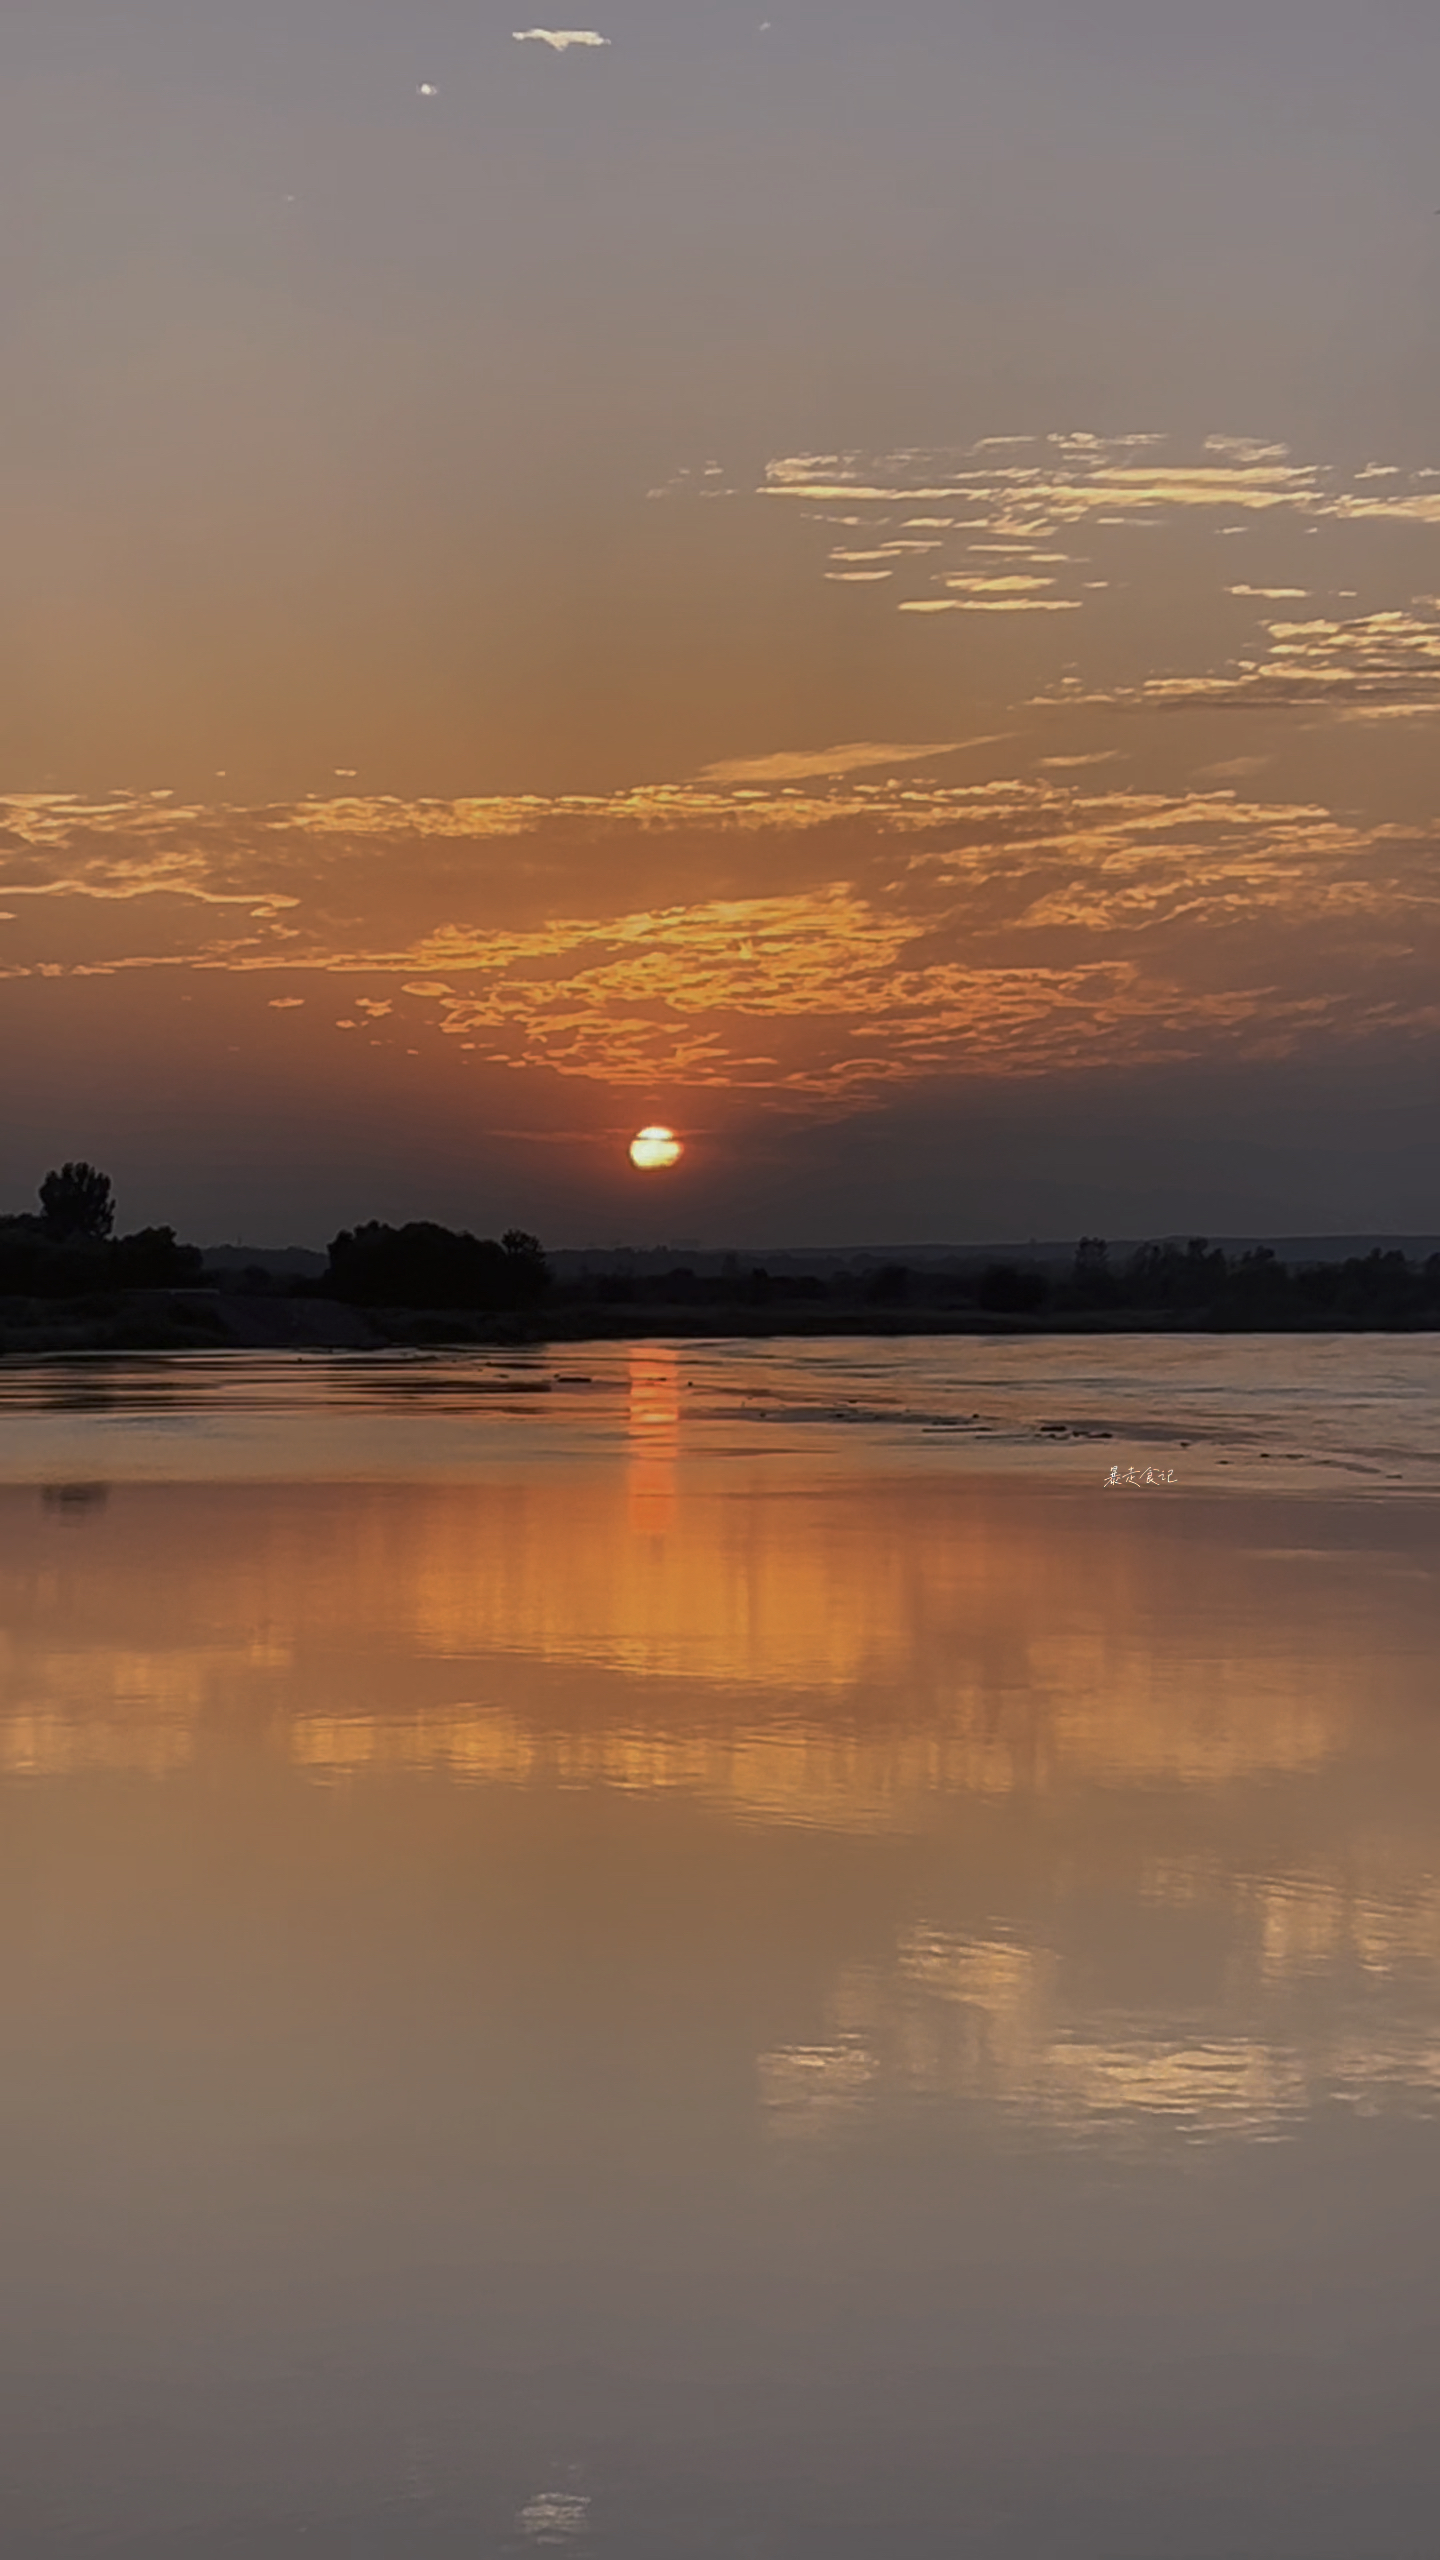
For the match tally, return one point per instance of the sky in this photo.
(861, 584)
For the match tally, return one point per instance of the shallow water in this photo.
(713, 1950)
(1366, 1405)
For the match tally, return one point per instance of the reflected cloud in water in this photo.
(1029, 2030)
(1182, 1891)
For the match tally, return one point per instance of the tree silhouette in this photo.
(77, 1202)
(529, 1272)
(1092, 1283)
(424, 1265)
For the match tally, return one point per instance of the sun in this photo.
(654, 1149)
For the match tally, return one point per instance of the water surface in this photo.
(694, 1951)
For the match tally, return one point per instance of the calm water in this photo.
(722, 1954)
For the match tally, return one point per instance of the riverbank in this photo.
(167, 1320)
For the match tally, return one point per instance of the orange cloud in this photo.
(833, 943)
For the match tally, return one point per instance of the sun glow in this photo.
(653, 1149)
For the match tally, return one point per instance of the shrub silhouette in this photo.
(152, 1259)
(888, 1287)
(1005, 1290)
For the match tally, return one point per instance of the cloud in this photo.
(990, 604)
(1031, 505)
(980, 585)
(122, 848)
(815, 949)
(1375, 665)
(1071, 764)
(1242, 449)
(797, 763)
(1232, 769)
(559, 39)
(1068, 481)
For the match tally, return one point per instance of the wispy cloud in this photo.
(1025, 516)
(1373, 665)
(559, 39)
(990, 604)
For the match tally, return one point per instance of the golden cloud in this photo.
(833, 942)
(1374, 663)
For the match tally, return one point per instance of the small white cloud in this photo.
(427, 89)
(1062, 764)
(559, 39)
(554, 2516)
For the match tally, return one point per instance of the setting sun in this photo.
(655, 1148)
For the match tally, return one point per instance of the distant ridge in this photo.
(567, 1260)
(305, 1262)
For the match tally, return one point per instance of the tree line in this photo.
(1160, 1285)
(69, 1250)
